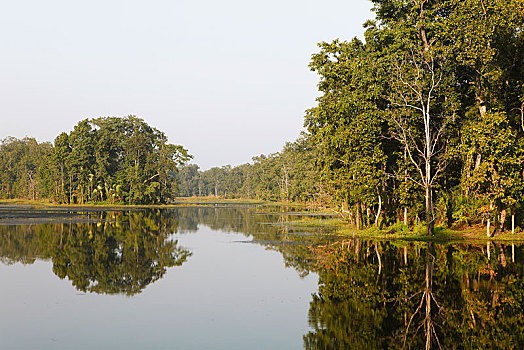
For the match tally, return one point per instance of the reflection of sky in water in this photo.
(227, 295)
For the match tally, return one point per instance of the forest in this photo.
(103, 160)
(421, 121)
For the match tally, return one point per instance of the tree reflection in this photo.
(125, 251)
(122, 253)
(371, 294)
(385, 295)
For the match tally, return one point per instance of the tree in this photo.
(20, 163)
(346, 126)
(115, 160)
(496, 174)
(422, 96)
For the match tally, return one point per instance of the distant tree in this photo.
(20, 161)
(188, 178)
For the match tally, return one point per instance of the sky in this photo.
(226, 79)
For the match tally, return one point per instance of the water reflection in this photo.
(124, 251)
(274, 227)
(391, 295)
(121, 253)
(371, 294)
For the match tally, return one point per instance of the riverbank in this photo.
(19, 211)
(200, 201)
(27, 212)
(401, 232)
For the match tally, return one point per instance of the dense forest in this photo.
(111, 160)
(423, 121)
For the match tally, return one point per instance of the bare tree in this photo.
(416, 119)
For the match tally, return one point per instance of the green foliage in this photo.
(21, 168)
(428, 109)
(285, 176)
(430, 105)
(108, 160)
(494, 158)
(346, 125)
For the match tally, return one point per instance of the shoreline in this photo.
(38, 212)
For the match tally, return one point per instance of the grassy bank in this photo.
(179, 202)
(402, 232)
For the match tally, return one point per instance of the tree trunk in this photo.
(379, 210)
(522, 116)
(405, 216)
(32, 184)
(512, 223)
(480, 97)
(428, 180)
(422, 29)
(502, 220)
(357, 216)
(488, 225)
(429, 211)
(343, 208)
(63, 185)
(286, 183)
(70, 189)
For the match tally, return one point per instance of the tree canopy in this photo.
(112, 160)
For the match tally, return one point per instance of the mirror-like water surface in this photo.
(245, 278)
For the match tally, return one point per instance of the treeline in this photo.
(111, 160)
(288, 175)
(424, 121)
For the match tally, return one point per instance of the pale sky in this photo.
(227, 79)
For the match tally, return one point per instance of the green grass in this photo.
(401, 232)
(441, 234)
(179, 202)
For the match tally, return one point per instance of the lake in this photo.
(247, 277)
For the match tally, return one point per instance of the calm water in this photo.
(243, 278)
